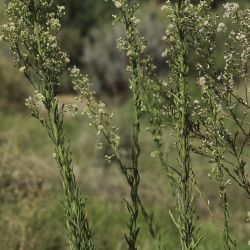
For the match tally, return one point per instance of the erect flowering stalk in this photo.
(220, 103)
(31, 32)
(133, 51)
(185, 203)
(229, 87)
(221, 96)
(141, 84)
(178, 116)
(178, 112)
(220, 100)
(213, 122)
(102, 120)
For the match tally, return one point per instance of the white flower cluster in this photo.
(35, 103)
(135, 20)
(22, 69)
(221, 27)
(25, 35)
(119, 3)
(241, 36)
(75, 72)
(230, 9)
(95, 111)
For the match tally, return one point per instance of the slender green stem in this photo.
(185, 193)
(74, 205)
(213, 128)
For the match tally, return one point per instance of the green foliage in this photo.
(31, 32)
(215, 126)
(26, 152)
(195, 29)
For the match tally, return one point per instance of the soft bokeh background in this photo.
(31, 215)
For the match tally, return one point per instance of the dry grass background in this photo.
(30, 191)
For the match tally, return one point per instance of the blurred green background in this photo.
(31, 215)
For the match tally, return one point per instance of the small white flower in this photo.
(75, 71)
(240, 36)
(164, 53)
(22, 69)
(28, 101)
(135, 20)
(67, 60)
(202, 81)
(12, 26)
(100, 129)
(219, 78)
(170, 26)
(154, 154)
(221, 27)
(118, 3)
(101, 105)
(61, 9)
(219, 107)
(248, 216)
(143, 47)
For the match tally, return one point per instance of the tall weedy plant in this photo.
(214, 124)
(223, 111)
(31, 33)
(134, 45)
(179, 118)
(226, 91)
(193, 29)
(215, 120)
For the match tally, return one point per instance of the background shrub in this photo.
(13, 90)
